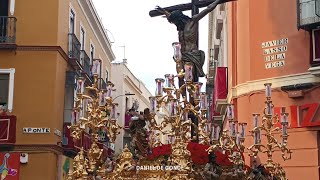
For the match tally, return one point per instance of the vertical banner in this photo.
(9, 166)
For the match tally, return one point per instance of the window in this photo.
(308, 13)
(72, 21)
(4, 4)
(4, 91)
(6, 88)
(316, 45)
(82, 38)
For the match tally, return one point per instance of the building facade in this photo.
(130, 93)
(270, 41)
(44, 47)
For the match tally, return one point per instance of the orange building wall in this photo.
(273, 20)
(33, 170)
(303, 141)
(38, 93)
(249, 24)
(37, 22)
(81, 19)
(243, 44)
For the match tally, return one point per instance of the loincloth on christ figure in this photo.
(197, 58)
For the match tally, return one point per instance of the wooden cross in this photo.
(193, 6)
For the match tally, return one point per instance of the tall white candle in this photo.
(230, 112)
(256, 120)
(238, 139)
(268, 89)
(188, 70)
(284, 117)
(284, 128)
(243, 129)
(256, 136)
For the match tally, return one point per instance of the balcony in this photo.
(71, 79)
(74, 51)
(308, 14)
(85, 65)
(102, 84)
(220, 15)
(7, 32)
(72, 147)
(7, 129)
(221, 90)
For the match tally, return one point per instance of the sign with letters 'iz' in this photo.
(31, 130)
(302, 115)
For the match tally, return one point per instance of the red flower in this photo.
(222, 159)
(199, 155)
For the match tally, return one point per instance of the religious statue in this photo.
(212, 170)
(94, 156)
(187, 28)
(139, 133)
(258, 173)
(113, 130)
(80, 165)
(110, 165)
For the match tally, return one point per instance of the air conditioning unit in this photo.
(23, 158)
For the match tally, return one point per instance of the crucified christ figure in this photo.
(187, 28)
(188, 37)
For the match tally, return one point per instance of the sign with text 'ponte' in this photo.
(31, 130)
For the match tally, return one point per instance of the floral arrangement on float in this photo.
(199, 155)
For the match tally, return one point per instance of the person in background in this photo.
(3, 111)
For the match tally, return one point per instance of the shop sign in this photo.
(302, 115)
(31, 130)
(11, 166)
(274, 52)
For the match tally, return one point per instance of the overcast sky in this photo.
(147, 40)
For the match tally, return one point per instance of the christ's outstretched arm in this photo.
(209, 8)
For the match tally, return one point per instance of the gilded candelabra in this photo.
(267, 126)
(231, 142)
(176, 105)
(92, 113)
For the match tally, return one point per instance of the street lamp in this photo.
(126, 94)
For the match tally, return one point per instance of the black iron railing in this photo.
(74, 47)
(71, 78)
(102, 84)
(8, 29)
(85, 62)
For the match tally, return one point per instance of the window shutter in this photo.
(317, 45)
(318, 8)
